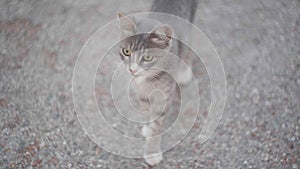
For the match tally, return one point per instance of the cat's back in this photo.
(182, 8)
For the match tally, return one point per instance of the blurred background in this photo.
(257, 41)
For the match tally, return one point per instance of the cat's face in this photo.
(143, 54)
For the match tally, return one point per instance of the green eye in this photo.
(148, 58)
(126, 52)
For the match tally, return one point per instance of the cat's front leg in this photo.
(153, 159)
(159, 106)
(153, 154)
(144, 105)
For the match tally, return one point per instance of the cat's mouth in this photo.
(138, 74)
(135, 73)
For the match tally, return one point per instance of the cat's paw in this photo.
(146, 131)
(153, 159)
(184, 76)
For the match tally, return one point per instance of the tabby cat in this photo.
(149, 67)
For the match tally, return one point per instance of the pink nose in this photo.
(132, 71)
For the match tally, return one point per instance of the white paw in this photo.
(184, 76)
(153, 159)
(146, 131)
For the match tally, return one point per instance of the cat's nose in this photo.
(132, 71)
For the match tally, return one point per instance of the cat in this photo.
(149, 67)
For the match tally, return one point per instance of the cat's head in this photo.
(143, 52)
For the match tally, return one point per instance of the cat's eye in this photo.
(148, 58)
(126, 52)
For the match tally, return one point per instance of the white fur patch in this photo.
(153, 159)
(146, 131)
(184, 76)
(140, 80)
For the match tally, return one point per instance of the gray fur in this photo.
(152, 75)
(183, 8)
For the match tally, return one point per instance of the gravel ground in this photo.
(258, 42)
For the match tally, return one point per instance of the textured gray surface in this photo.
(258, 42)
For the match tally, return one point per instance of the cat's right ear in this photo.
(127, 25)
(161, 36)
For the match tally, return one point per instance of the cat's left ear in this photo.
(161, 36)
(127, 25)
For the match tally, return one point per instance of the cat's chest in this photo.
(145, 86)
(139, 81)
(142, 85)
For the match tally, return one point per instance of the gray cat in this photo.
(148, 59)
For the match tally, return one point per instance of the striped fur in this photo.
(147, 78)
